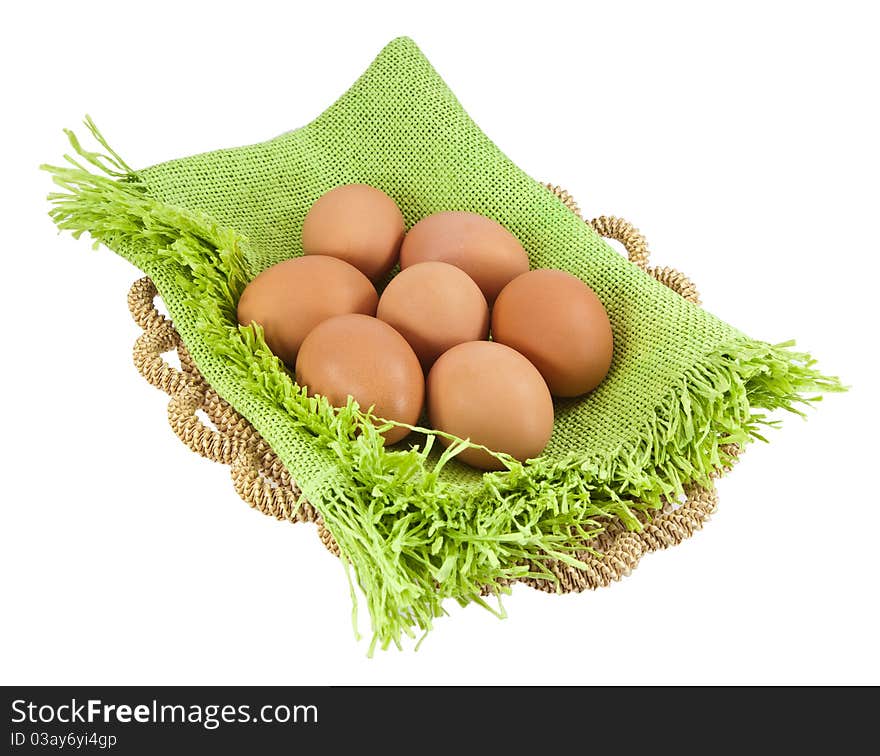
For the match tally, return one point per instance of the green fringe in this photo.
(412, 539)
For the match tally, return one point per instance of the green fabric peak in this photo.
(416, 526)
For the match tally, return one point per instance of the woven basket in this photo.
(685, 385)
(263, 482)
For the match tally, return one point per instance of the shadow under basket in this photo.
(263, 482)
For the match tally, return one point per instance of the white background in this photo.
(742, 141)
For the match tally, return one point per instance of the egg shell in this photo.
(434, 306)
(494, 396)
(362, 357)
(289, 299)
(560, 325)
(480, 246)
(356, 223)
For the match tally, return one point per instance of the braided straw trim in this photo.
(622, 549)
(677, 281)
(566, 198)
(627, 234)
(261, 480)
(258, 476)
(635, 244)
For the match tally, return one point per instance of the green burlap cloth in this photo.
(416, 526)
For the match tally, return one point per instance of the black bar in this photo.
(266, 720)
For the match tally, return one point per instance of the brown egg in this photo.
(289, 299)
(362, 357)
(356, 223)
(555, 319)
(434, 306)
(493, 395)
(482, 248)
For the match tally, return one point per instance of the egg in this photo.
(356, 223)
(559, 324)
(434, 306)
(289, 299)
(482, 248)
(494, 396)
(365, 358)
